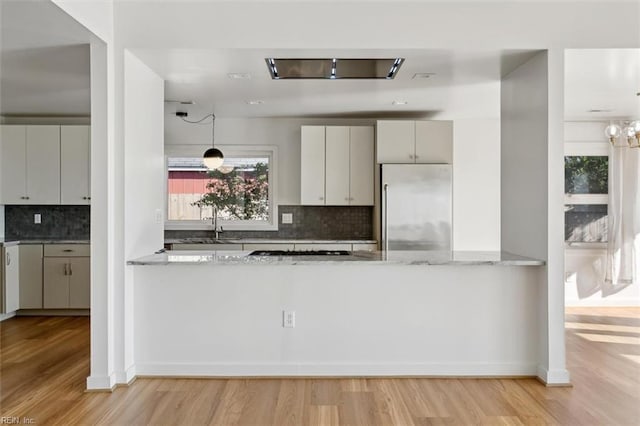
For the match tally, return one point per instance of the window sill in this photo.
(585, 246)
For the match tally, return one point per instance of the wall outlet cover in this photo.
(288, 319)
(37, 218)
(287, 218)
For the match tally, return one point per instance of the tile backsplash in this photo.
(309, 223)
(58, 222)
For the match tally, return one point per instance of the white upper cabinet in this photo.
(13, 163)
(396, 140)
(30, 164)
(361, 166)
(43, 165)
(312, 166)
(434, 142)
(401, 141)
(337, 164)
(75, 165)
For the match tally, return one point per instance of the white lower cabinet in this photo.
(10, 279)
(268, 246)
(31, 276)
(67, 280)
(332, 247)
(212, 247)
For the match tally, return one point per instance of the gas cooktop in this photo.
(300, 253)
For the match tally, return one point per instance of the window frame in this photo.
(587, 149)
(270, 151)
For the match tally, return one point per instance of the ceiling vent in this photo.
(333, 68)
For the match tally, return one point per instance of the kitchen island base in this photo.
(351, 319)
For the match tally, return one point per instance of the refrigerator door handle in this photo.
(386, 216)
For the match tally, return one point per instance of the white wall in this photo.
(532, 195)
(143, 190)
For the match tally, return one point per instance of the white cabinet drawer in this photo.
(365, 247)
(67, 250)
(323, 247)
(212, 247)
(268, 246)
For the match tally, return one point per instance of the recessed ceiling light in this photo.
(399, 102)
(422, 75)
(239, 75)
(255, 102)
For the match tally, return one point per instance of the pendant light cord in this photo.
(213, 122)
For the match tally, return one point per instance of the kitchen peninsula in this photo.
(227, 313)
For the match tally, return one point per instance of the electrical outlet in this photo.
(288, 319)
(37, 218)
(158, 216)
(287, 217)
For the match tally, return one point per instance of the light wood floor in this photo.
(44, 363)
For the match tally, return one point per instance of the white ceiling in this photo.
(45, 71)
(44, 61)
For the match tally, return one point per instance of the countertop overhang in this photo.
(415, 258)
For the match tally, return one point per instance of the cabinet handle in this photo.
(8, 259)
(84, 198)
(417, 156)
(88, 198)
(411, 156)
(320, 198)
(347, 198)
(65, 269)
(68, 250)
(70, 270)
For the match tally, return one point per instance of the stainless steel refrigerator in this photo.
(416, 206)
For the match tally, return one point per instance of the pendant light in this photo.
(213, 157)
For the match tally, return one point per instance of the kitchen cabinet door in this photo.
(312, 163)
(75, 165)
(43, 165)
(395, 141)
(434, 142)
(31, 276)
(11, 277)
(337, 166)
(361, 166)
(13, 163)
(79, 283)
(56, 283)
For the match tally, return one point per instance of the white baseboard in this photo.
(7, 316)
(554, 377)
(324, 369)
(127, 376)
(576, 303)
(101, 383)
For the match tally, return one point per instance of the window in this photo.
(586, 183)
(241, 192)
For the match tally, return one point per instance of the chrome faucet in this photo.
(214, 222)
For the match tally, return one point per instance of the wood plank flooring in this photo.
(44, 362)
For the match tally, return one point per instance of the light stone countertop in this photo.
(424, 258)
(260, 241)
(10, 243)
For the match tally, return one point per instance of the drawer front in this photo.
(365, 247)
(268, 246)
(207, 247)
(336, 246)
(67, 250)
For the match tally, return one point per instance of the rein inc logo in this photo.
(7, 420)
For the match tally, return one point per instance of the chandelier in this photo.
(630, 132)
